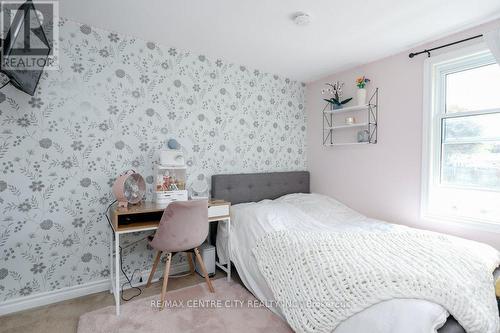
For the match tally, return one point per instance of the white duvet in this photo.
(251, 221)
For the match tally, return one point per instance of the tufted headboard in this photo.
(251, 187)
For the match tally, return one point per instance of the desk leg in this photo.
(227, 266)
(228, 254)
(117, 273)
(111, 263)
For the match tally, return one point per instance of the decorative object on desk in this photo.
(363, 136)
(335, 89)
(129, 188)
(350, 120)
(173, 144)
(172, 155)
(199, 189)
(170, 175)
(170, 184)
(361, 83)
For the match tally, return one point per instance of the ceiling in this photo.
(260, 34)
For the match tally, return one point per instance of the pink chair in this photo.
(183, 228)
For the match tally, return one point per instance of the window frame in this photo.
(434, 103)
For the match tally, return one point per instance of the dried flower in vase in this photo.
(362, 81)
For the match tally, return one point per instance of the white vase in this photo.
(361, 96)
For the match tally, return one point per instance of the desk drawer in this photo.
(219, 210)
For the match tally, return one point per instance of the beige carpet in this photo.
(193, 309)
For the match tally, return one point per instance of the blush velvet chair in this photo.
(183, 228)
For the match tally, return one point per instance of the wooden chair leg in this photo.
(204, 270)
(153, 270)
(165, 279)
(189, 258)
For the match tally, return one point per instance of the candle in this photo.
(349, 120)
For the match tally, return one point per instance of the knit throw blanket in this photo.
(321, 279)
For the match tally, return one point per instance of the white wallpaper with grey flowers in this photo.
(112, 104)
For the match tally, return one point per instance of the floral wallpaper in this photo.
(112, 104)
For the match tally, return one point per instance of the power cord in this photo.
(129, 280)
(107, 217)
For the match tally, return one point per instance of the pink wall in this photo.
(383, 180)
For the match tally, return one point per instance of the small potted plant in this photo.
(361, 83)
(335, 89)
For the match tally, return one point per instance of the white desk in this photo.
(146, 216)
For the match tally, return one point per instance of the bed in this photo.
(252, 194)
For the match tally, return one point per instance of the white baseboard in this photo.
(63, 294)
(49, 297)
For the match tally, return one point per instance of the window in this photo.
(461, 169)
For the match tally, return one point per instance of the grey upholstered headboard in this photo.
(251, 187)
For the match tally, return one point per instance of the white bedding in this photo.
(249, 224)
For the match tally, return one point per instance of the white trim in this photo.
(430, 154)
(465, 223)
(49, 297)
(426, 133)
(63, 294)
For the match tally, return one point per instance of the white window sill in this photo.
(464, 222)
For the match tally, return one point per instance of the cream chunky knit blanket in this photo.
(319, 280)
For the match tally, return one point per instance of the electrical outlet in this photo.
(137, 279)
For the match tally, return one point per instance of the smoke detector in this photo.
(301, 18)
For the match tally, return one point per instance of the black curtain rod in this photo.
(428, 51)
